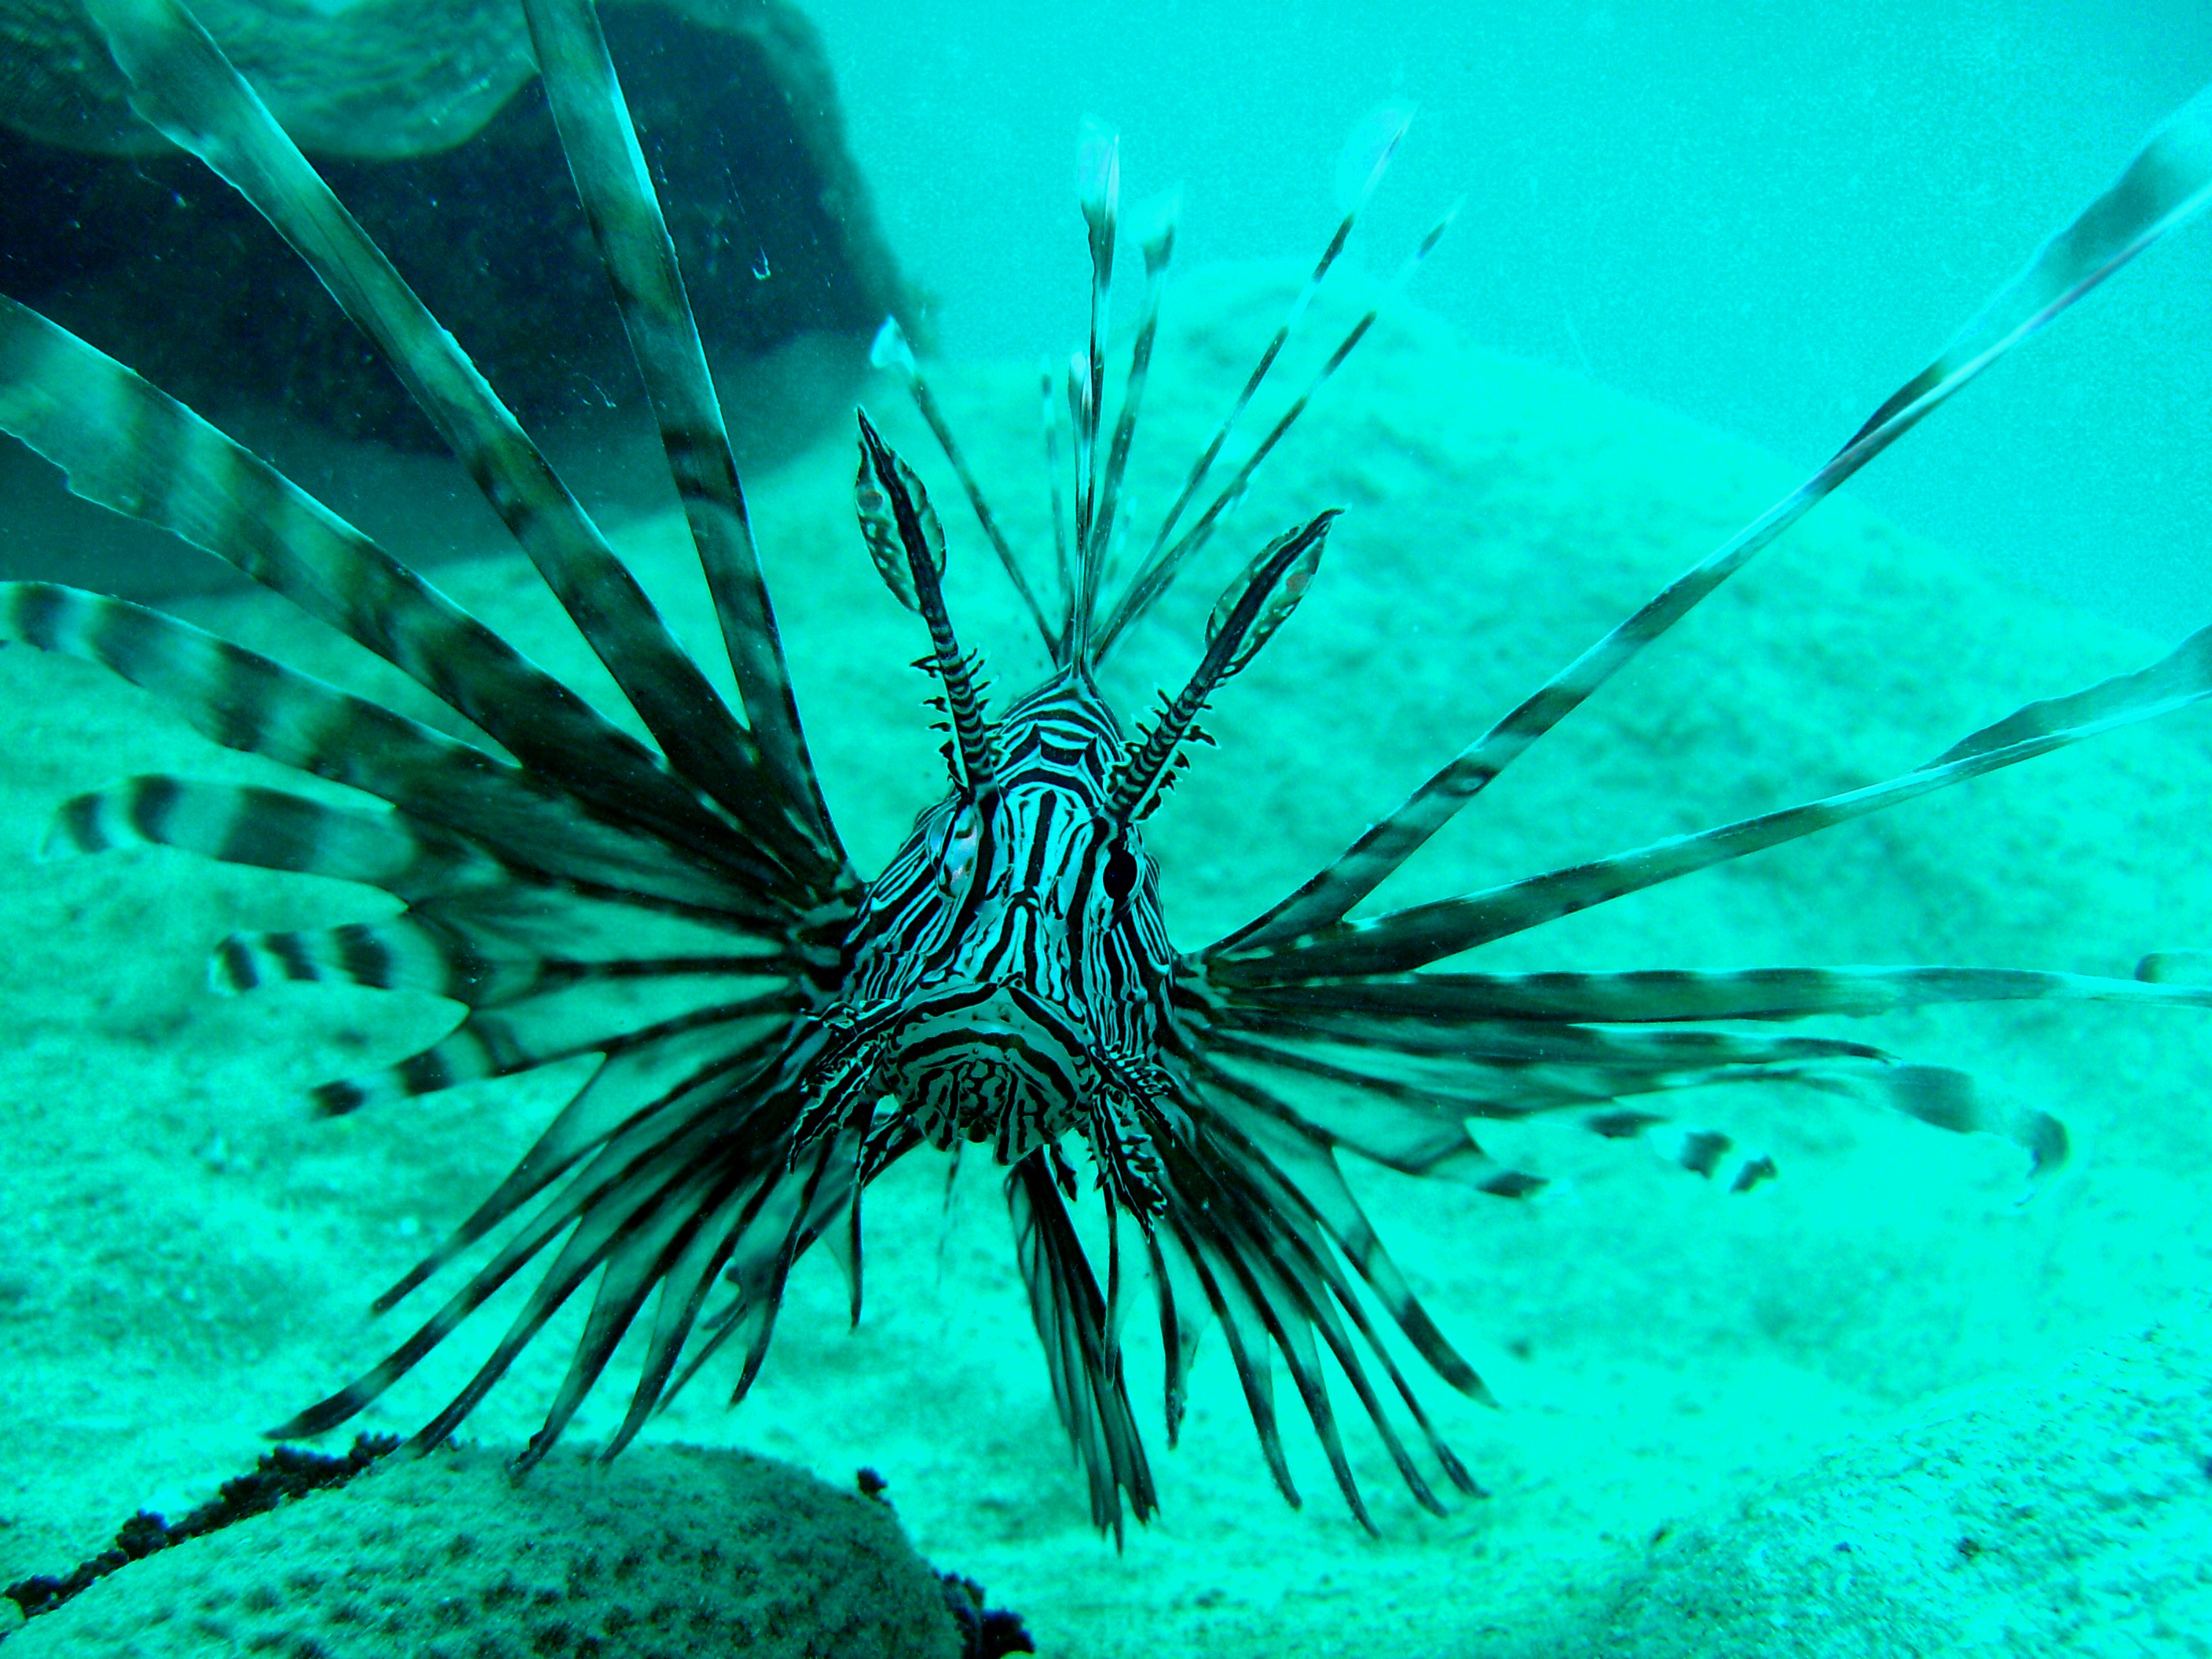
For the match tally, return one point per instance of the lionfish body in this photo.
(768, 1032)
(1011, 965)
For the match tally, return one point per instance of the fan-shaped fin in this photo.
(620, 206)
(1409, 939)
(242, 699)
(134, 450)
(2166, 185)
(1088, 1384)
(270, 829)
(183, 84)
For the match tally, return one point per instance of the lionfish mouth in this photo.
(973, 1061)
(988, 1062)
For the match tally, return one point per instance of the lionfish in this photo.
(772, 1031)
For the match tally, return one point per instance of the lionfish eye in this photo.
(1120, 877)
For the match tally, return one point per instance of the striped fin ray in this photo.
(1712, 1153)
(1098, 194)
(133, 449)
(1414, 1131)
(1088, 1383)
(799, 1201)
(1257, 603)
(429, 951)
(660, 1205)
(901, 530)
(184, 85)
(1473, 1069)
(624, 214)
(648, 1189)
(605, 927)
(594, 1213)
(1156, 236)
(708, 1211)
(1063, 548)
(405, 953)
(892, 351)
(1304, 1156)
(1163, 565)
(2167, 183)
(724, 1066)
(1666, 994)
(1259, 1252)
(545, 1026)
(1405, 939)
(1362, 1104)
(270, 829)
(685, 1285)
(242, 700)
(1398, 1087)
(634, 1262)
(1367, 155)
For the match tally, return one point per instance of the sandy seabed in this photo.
(185, 1256)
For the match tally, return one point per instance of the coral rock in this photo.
(671, 1551)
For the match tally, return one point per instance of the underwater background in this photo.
(1694, 241)
(1754, 214)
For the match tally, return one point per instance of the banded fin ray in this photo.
(1669, 995)
(1258, 1249)
(1400, 940)
(184, 85)
(1470, 1071)
(1397, 1089)
(563, 1022)
(1257, 603)
(676, 1156)
(422, 951)
(269, 829)
(1305, 1160)
(891, 350)
(621, 1090)
(242, 699)
(1160, 573)
(2167, 183)
(403, 953)
(1367, 155)
(620, 205)
(1088, 1383)
(127, 446)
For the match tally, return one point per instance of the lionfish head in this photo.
(1011, 957)
(1010, 966)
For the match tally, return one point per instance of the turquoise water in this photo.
(1757, 215)
(1525, 458)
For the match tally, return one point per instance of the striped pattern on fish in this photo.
(767, 1032)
